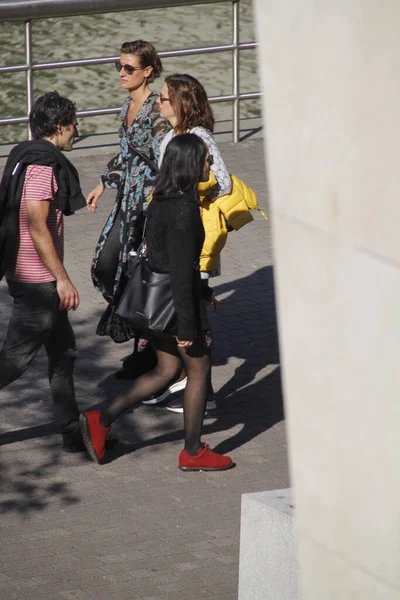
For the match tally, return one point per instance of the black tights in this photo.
(197, 364)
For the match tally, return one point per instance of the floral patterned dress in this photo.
(133, 178)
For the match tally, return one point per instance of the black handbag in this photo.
(146, 302)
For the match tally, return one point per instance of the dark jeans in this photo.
(36, 321)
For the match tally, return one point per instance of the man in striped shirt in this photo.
(41, 289)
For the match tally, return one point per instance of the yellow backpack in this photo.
(233, 208)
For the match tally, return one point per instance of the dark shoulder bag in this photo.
(146, 302)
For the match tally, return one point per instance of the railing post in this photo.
(29, 72)
(235, 71)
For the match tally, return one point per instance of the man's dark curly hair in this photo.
(48, 111)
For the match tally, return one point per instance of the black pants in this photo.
(36, 321)
(107, 263)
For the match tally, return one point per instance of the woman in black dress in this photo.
(175, 236)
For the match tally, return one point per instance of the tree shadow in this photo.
(26, 484)
(30, 440)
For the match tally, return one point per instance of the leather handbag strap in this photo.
(144, 158)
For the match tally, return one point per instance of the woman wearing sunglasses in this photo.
(174, 238)
(183, 102)
(131, 171)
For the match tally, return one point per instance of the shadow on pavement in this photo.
(256, 408)
(250, 401)
(248, 305)
(246, 399)
(26, 484)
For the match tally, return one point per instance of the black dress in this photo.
(175, 237)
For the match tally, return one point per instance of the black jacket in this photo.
(69, 195)
(175, 237)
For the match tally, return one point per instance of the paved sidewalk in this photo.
(137, 528)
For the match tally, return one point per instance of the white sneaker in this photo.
(172, 389)
(176, 406)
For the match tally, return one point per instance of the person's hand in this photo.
(93, 197)
(212, 301)
(184, 344)
(68, 294)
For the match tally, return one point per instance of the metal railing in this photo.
(22, 10)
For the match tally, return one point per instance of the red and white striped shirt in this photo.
(26, 266)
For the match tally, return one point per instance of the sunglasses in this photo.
(129, 70)
(210, 159)
(163, 99)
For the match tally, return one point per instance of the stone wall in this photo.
(330, 73)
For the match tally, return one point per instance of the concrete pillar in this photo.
(268, 565)
(331, 77)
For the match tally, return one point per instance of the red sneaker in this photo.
(93, 433)
(205, 460)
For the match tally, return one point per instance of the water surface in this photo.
(102, 35)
